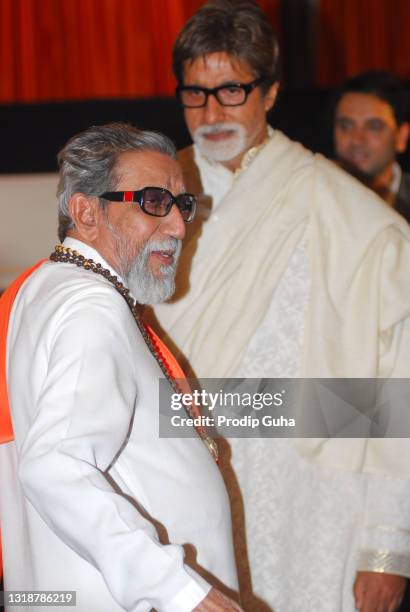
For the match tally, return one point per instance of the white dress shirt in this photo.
(105, 507)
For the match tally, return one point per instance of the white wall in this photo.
(28, 221)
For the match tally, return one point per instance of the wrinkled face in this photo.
(366, 134)
(225, 133)
(142, 248)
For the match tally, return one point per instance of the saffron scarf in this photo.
(6, 305)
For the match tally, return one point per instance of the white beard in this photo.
(143, 285)
(224, 150)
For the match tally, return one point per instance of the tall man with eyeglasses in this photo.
(92, 500)
(298, 271)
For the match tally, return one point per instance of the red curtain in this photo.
(79, 49)
(358, 35)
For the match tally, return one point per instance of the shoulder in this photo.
(337, 198)
(343, 198)
(64, 290)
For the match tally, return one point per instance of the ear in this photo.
(270, 96)
(85, 212)
(402, 137)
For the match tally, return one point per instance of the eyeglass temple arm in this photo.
(121, 196)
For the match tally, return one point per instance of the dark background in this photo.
(32, 134)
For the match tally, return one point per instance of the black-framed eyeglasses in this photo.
(156, 201)
(228, 94)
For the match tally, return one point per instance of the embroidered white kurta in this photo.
(103, 506)
(309, 527)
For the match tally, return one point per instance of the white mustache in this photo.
(217, 128)
(228, 148)
(171, 244)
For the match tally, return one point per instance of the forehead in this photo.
(365, 106)
(216, 68)
(137, 169)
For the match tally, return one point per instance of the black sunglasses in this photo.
(156, 201)
(228, 94)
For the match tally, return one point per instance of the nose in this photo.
(173, 224)
(213, 111)
(358, 135)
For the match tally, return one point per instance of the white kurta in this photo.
(104, 506)
(308, 527)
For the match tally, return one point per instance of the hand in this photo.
(376, 592)
(216, 601)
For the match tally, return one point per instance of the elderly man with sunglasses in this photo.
(93, 500)
(295, 271)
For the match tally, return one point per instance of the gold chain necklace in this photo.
(66, 255)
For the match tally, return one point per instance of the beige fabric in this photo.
(224, 279)
(357, 323)
(28, 228)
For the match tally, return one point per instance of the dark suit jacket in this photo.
(402, 202)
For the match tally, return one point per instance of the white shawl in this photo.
(357, 323)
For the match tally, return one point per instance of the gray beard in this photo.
(143, 285)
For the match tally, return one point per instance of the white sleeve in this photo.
(80, 423)
(385, 543)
